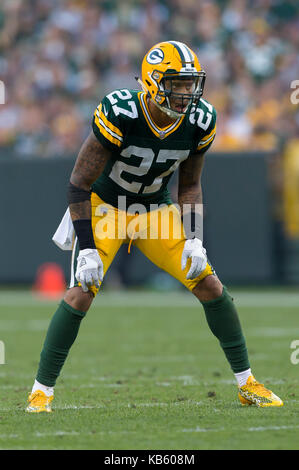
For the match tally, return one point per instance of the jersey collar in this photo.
(161, 132)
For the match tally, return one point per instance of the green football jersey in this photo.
(144, 156)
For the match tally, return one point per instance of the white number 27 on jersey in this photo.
(146, 156)
(123, 95)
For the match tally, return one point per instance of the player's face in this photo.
(177, 88)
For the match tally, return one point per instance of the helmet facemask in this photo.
(167, 96)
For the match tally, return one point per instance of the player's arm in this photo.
(190, 193)
(89, 165)
(190, 201)
(91, 161)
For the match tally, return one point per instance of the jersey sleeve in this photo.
(107, 126)
(206, 136)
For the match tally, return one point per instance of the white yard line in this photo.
(115, 405)
(141, 381)
(152, 405)
(24, 325)
(197, 429)
(63, 433)
(273, 332)
(128, 299)
(42, 325)
(257, 429)
(271, 428)
(129, 405)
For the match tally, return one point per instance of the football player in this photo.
(138, 139)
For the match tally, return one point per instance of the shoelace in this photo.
(38, 399)
(260, 387)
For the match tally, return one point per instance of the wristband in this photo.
(76, 194)
(84, 233)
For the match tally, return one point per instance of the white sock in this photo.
(242, 377)
(48, 391)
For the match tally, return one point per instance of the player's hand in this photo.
(193, 249)
(90, 270)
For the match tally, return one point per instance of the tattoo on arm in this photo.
(189, 190)
(190, 196)
(89, 165)
(80, 210)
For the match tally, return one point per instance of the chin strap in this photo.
(141, 84)
(169, 112)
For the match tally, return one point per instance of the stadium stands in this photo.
(58, 58)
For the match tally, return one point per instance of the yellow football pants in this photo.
(158, 234)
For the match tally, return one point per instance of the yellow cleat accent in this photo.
(255, 393)
(38, 402)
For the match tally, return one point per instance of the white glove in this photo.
(193, 249)
(90, 270)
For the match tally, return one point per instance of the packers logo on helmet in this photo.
(155, 56)
(163, 66)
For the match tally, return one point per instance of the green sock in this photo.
(61, 334)
(223, 320)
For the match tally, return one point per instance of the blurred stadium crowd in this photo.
(59, 58)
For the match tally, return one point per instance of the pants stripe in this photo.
(72, 283)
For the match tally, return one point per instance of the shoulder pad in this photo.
(112, 116)
(204, 118)
(123, 103)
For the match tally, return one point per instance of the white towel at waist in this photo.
(65, 234)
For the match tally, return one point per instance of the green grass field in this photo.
(146, 373)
